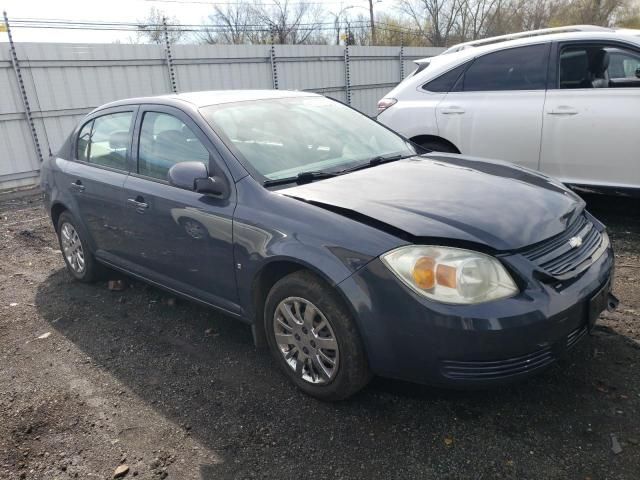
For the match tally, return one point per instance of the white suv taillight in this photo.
(386, 103)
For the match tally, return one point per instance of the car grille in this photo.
(496, 369)
(559, 258)
(499, 369)
(575, 336)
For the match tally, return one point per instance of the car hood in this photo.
(450, 197)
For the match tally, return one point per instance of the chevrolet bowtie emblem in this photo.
(575, 242)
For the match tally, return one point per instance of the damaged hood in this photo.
(440, 196)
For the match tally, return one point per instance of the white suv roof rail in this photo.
(530, 33)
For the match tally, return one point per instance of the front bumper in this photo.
(412, 338)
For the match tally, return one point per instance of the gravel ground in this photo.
(92, 380)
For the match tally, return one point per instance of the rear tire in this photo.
(314, 339)
(79, 260)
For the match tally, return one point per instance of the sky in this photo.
(187, 12)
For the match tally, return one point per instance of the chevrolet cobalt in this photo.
(348, 251)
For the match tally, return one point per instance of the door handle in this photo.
(452, 110)
(77, 185)
(138, 203)
(563, 110)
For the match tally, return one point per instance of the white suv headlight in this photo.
(450, 275)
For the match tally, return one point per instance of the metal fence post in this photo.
(347, 72)
(173, 82)
(23, 91)
(274, 66)
(401, 57)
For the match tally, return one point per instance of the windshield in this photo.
(280, 138)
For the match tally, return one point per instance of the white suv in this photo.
(567, 103)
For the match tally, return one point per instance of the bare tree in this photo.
(436, 20)
(150, 28)
(294, 23)
(372, 23)
(235, 24)
(397, 30)
(473, 18)
(255, 23)
(519, 15)
(593, 12)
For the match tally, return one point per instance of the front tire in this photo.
(80, 262)
(313, 338)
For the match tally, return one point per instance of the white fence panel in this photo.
(65, 81)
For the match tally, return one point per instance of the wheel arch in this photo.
(264, 280)
(421, 139)
(57, 208)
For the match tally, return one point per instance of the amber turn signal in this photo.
(424, 273)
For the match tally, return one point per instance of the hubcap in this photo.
(72, 247)
(306, 340)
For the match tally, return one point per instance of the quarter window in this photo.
(105, 140)
(522, 68)
(445, 82)
(164, 141)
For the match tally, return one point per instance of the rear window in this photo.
(105, 140)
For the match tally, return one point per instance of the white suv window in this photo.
(521, 68)
(599, 66)
(445, 83)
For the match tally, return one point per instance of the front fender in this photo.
(269, 227)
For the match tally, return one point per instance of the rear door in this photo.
(96, 176)
(495, 108)
(180, 238)
(590, 133)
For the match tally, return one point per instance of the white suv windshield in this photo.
(280, 138)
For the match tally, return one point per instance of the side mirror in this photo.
(638, 72)
(195, 177)
(215, 185)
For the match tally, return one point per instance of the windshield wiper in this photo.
(372, 162)
(308, 177)
(300, 178)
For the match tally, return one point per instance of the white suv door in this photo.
(592, 113)
(495, 107)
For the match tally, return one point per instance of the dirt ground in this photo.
(92, 379)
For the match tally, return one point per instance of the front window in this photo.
(280, 138)
(164, 141)
(599, 66)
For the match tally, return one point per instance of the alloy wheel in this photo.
(306, 340)
(72, 248)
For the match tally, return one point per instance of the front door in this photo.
(178, 237)
(590, 133)
(495, 107)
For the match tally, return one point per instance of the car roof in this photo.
(210, 97)
(474, 51)
(442, 63)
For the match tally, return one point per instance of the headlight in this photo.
(451, 275)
